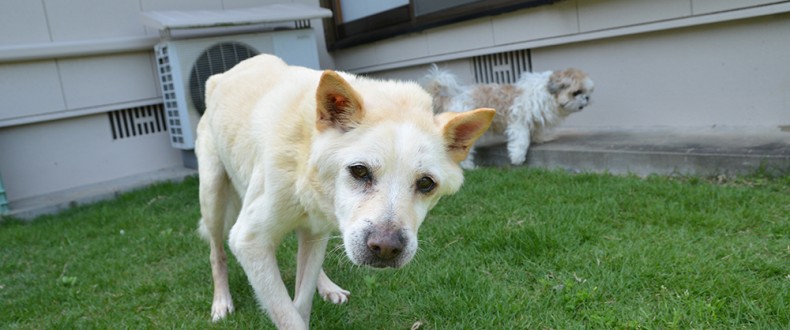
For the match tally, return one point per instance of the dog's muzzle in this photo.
(385, 248)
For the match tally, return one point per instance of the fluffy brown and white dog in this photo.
(535, 103)
(283, 148)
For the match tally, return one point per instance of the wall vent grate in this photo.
(501, 68)
(138, 121)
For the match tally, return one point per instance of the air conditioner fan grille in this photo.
(216, 59)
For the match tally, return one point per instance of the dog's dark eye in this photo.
(425, 184)
(359, 172)
(577, 93)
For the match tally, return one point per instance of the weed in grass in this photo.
(516, 248)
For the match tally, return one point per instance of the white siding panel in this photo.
(359, 56)
(93, 19)
(536, 23)
(709, 6)
(23, 21)
(151, 5)
(94, 81)
(604, 14)
(59, 155)
(682, 77)
(462, 69)
(402, 48)
(459, 37)
(28, 89)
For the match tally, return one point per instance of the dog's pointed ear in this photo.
(461, 129)
(338, 104)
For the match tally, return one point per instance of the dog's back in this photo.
(231, 128)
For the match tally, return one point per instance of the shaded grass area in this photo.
(516, 248)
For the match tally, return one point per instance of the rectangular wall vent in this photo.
(501, 68)
(138, 121)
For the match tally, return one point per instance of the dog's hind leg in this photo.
(218, 205)
(310, 256)
(330, 291)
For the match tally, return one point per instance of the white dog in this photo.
(536, 102)
(283, 148)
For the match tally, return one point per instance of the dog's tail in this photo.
(442, 86)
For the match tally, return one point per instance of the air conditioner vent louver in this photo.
(216, 59)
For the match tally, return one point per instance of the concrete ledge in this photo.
(688, 151)
(29, 208)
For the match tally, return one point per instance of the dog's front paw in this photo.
(518, 158)
(338, 296)
(517, 161)
(330, 291)
(220, 308)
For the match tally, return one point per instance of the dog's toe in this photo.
(338, 297)
(330, 291)
(221, 309)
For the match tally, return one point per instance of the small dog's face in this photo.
(572, 89)
(383, 165)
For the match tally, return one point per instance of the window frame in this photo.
(402, 20)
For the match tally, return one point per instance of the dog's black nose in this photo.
(386, 244)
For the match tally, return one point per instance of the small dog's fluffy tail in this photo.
(442, 86)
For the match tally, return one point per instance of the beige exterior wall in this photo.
(726, 74)
(80, 84)
(676, 63)
(669, 63)
(63, 66)
(58, 155)
(561, 23)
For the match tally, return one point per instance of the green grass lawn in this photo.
(515, 249)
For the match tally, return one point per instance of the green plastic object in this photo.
(4, 209)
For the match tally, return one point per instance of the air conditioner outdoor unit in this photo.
(199, 43)
(185, 65)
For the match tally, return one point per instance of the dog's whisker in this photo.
(336, 249)
(320, 239)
